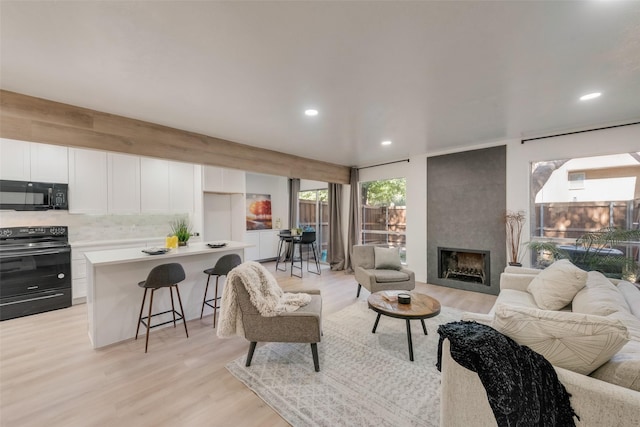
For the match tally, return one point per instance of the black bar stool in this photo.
(222, 268)
(162, 276)
(284, 245)
(308, 239)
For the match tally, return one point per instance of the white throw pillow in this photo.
(599, 297)
(387, 258)
(578, 342)
(555, 286)
(632, 296)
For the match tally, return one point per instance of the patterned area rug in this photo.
(365, 379)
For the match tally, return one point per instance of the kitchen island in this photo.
(114, 297)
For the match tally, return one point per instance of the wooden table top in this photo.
(421, 307)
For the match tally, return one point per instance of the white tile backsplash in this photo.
(94, 228)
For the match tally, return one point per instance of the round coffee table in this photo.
(421, 307)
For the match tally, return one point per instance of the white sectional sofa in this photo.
(604, 386)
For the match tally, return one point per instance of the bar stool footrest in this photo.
(215, 305)
(179, 316)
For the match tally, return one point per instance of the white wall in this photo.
(277, 187)
(415, 173)
(307, 184)
(519, 157)
(217, 217)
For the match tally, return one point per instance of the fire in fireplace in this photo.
(467, 265)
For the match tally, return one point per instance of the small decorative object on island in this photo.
(181, 228)
(171, 242)
(514, 222)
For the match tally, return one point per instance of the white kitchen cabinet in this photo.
(252, 253)
(154, 185)
(124, 183)
(30, 161)
(222, 180)
(78, 275)
(87, 181)
(233, 180)
(266, 244)
(15, 163)
(49, 163)
(181, 187)
(269, 240)
(166, 186)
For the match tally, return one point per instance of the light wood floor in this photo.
(50, 375)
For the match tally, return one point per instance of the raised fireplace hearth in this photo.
(465, 265)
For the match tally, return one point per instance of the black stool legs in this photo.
(146, 320)
(215, 300)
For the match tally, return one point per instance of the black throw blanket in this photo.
(522, 386)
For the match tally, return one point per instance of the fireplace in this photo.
(465, 265)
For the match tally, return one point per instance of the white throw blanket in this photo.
(265, 295)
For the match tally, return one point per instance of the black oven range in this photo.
(35, 270)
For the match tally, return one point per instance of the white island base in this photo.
(114, 297)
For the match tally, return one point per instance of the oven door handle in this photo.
(31, 299)
(15, 254)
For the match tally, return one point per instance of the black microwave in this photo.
(33, 196)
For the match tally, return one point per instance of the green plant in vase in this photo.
(181, 228)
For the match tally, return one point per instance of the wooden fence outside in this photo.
(384, 225)
(572, 220)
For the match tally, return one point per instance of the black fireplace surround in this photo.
(466, 265)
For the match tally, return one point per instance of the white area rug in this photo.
(365, 379)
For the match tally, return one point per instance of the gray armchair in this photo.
(302, 325)
(385, 277)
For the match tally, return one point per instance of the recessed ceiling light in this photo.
(386, 143)
(311, 112)
(590, 96)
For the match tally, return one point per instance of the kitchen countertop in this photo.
(91, 243)
(127, 255)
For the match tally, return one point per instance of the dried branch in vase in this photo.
(514, 222)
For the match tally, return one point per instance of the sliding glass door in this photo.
(313, 213)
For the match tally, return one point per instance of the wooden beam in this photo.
(27, 118)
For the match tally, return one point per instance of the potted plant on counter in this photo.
(181, 228)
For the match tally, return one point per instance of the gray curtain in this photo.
(335, 252)
(353, 232)
(294, 189)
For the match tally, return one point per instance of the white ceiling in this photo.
(430, 76)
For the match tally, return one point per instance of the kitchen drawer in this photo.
(79, 268)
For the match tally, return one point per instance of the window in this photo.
(576, 180)
(567, 204)
(589, 198)
(313, 212)
(383, 213)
